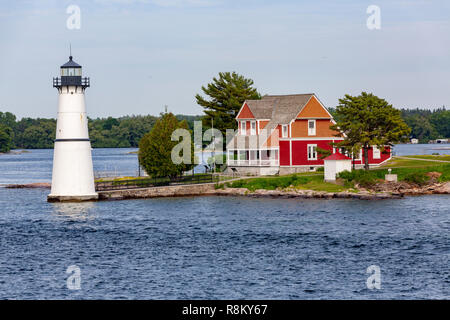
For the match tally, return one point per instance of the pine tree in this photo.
(227, 94)
(366, 121)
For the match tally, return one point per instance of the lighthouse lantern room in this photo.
(73, 174)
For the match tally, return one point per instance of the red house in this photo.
(280, 134)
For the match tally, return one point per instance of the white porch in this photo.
(268, 157)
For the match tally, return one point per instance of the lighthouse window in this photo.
(71, 72)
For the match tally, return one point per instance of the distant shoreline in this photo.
(15, 151)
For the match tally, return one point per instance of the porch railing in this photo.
(265, 163)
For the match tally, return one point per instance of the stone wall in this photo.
(290, 170)
(253, 171)
(157, 192)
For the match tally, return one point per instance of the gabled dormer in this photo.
(313, 120)
(246, 121)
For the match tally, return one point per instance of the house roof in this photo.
(279, 109)
(337, 156)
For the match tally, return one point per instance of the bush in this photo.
(419, 178)
(219, 186)
(362, 177)
(320, 169)
(445, 176)
(270, 183)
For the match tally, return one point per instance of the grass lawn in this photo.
(317, 184)
(398, 162)
(413, 171)
(300, 181)
(444, 157)
(415, 174)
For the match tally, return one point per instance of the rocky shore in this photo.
(44, 185)
(412, 189)
(305, 194)
(379, 192)
(388, 191)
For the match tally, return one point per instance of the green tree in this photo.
(6, 142)
(8, 119)
(323, 153)
(440, 120)
(109, 123)
(227, 93)
(155, 148)
(421, 128)
(367, 120)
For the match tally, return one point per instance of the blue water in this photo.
(218, 247)
(36, 165)
(414, 149)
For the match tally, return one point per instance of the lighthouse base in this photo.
(52, 198)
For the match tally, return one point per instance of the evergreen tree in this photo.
(155, 148)
(227, 94)
(367, 120)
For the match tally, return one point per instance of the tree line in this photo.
(123, 132)
(224, 98)
(425, 124)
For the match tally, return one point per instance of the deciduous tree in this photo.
(156, 146)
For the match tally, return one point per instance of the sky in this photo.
(144, 54)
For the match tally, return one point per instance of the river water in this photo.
(215, 247)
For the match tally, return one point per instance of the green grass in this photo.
(444, 157)
(299, 181)
(410, 174)
(397, 162)
(363, 178)
(320, 185)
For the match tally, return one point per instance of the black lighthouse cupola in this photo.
(71, 75)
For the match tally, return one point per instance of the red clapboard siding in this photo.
(285, 155)
(300, 152)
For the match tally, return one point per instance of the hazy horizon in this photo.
(144, 54)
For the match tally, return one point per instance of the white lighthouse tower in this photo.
(73, 174)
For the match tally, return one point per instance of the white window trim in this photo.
(252, 131)
(243, 128)
(283, 135)
(315, 153)
(378, 152)
(312, 132)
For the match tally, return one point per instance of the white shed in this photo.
(334, 164)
